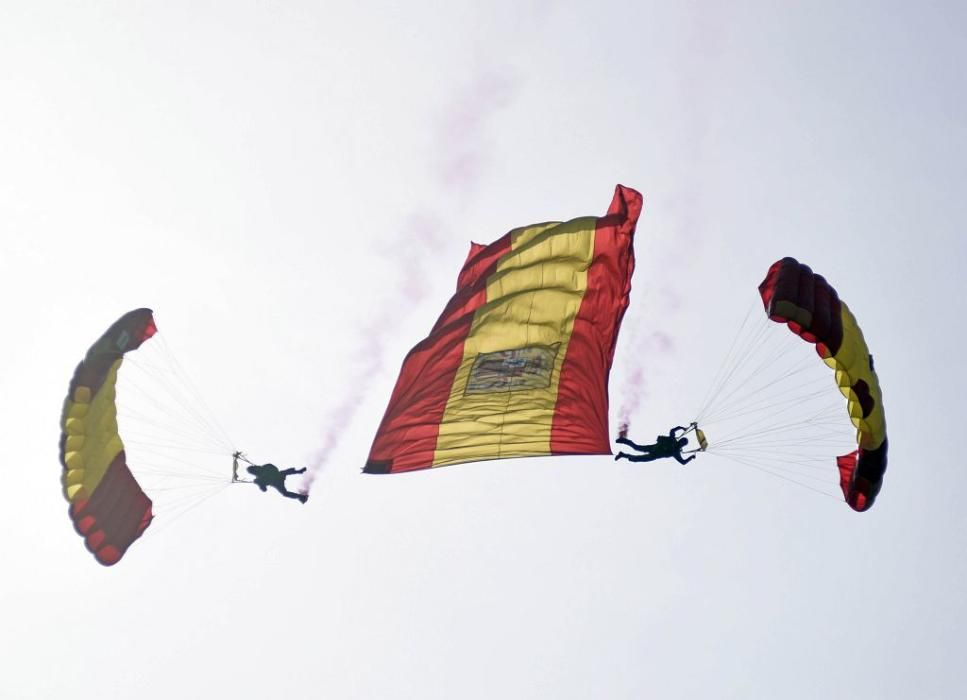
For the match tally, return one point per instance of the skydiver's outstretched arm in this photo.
(682, 460)
(671, 433)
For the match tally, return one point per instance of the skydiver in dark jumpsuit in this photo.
(664, 446)
(270, 475)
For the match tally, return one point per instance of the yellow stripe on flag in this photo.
(533, 298)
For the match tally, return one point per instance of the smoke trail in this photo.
(462, 158)
(635, 387)
(669, 260)
(459, 157)
(421, 235)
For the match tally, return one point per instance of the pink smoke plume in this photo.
(408, 254)
(459, 159)
(463, 129)
(697, 85)
(634, 388)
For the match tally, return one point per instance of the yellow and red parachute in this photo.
(793, 294)
(517, 365)
(107, 506)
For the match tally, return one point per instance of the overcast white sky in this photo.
(293, 187)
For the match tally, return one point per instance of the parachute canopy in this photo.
(517, 365)
(108, 507)
(792, 294)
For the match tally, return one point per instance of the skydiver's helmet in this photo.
(252, 470)
(682, 442)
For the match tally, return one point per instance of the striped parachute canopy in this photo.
(108, 507)
(793, 294)
(517, 365)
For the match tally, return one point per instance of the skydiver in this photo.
(664, 446)
(269, 475)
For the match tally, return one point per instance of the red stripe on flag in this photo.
(407, 436)
(580, 424)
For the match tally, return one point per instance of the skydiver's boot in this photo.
(303, 497)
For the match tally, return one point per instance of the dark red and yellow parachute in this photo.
(793, 294)
(108, 507)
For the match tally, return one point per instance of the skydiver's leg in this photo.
(290, 472)
(285, 492)
(647, 457)
(650, 450)
(629, 443)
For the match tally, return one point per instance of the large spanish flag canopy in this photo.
(517, 365)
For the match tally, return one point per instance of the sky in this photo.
(292, 187)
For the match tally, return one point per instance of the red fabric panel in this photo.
(805, 300)
(861, 476)
(582, 398)
(821, 309)
(791, 282)
(767, 289)
(847, 467)
(420, 396)
(781, 284)
(115, 515)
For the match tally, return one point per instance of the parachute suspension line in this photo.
(751, 373)
(771, 421)
(176, 448)
(178, 509)
(774, 407)
(753, 358)
(245, 459)
(758, 400)
(169, 406)
(189, 398)
(751, 384)
(161, 385)
(719, 377)
(165, 419)
(166, 383)
(778, 434)
(773, 415)
(755, 371)
(207, 414)
(765, 469)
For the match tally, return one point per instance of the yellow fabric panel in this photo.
(533, 298)
(92, 437)
(851, 363)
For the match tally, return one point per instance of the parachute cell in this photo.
(517, 365)
(792, 294)
(108, 507)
